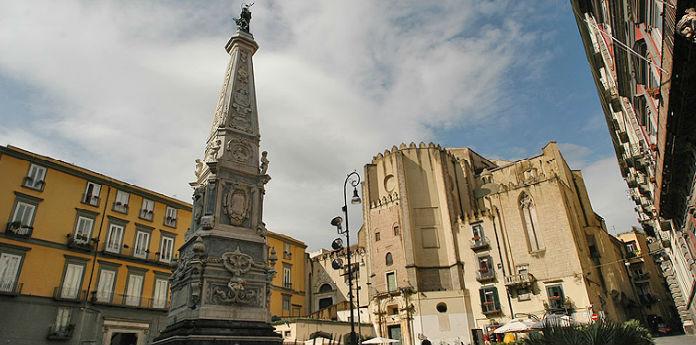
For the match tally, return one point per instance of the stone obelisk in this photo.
(221, 284)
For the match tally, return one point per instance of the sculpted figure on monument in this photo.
(199, 168)
(244, 18)
(264, 162)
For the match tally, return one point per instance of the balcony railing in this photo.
(640, 277)
(60, 332)
(10, 288)
(479, 243)
(146, 214)
(483, 276)
(18, 230)
(170, 221)
(489, 308)
(519, 279)
(68, 294)
(120, 207)
(110, 298)
(90, 199)
(80, 241)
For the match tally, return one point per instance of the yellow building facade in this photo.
(83, 257)
(288, 292)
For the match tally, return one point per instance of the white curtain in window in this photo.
(23, 213)
(166, 249)
(142, 239)
(160, 298)
(9, 265)
(71, 281)
(113, 242)
(84, 229)
(134, 290)
(62, 318)
(106, 285)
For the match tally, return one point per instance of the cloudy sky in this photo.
(128, 89)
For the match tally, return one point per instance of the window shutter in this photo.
(71, 281)
(106, 283)
(495, 298)
(9, 265)
(482, 296)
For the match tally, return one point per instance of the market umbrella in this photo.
(515, 326)
(561, 320)
(380, 340)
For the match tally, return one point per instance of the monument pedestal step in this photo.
(219, 332)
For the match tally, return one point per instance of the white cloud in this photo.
(132, 88)
(609, 194)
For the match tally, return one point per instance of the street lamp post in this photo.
(354, 179)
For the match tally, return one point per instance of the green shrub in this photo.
(598, 333)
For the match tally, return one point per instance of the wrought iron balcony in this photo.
(120, 207)
(640, 277)
(17, 229)
(146, 214)
(79, 241)
(10, 288)
(478, 243)
(60, 332)
(521, 279)
(62, 293)
(170, 221)
(132, 301)
(483, 276)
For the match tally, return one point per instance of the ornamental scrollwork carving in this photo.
(237, 262)
(240, 150)
(235, 292)
(237, 204)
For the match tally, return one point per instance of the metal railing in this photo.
(132, 301)
(18, 229)
(490, 308)
(60, 332)
(10, 288)
(68, 294)
(479, 242)
(519, 279)
(80, 242)
(482, 276)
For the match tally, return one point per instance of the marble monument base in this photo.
(218, 332)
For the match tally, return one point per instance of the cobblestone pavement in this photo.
(676, 340)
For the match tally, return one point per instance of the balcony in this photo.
(633, 256)
(80, 241)
(484, 276)
(62, 293)
(60, 333)
(90, 199)
(18, 230)
(120, 207)
(146, 214)
(490, 308)
(287, 255)
(10, 288)
(640, 277)
(478, 243)
(122, 300)
(170, 221)
(522, 279)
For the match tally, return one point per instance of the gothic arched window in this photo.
(388, 259)
(531, 224)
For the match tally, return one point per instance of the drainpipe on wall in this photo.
(500, 254)
(83, 309)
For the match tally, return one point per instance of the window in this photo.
(170, 217)
(134, 289)
(105, 287)
(477, 231)
(485, 270)
(489, 300)
(147, 209)
(91, 195)
(113, 239)
(397, 230)
(388, 259)
(72, 281)
(441, 307)
(159, 299)
(166, 248)
(83, 230)
(524, 294)
(62, 321)
(632, 248)
(142, 244)
(22, 219)
(376, 236)
(556, 297)
(529, 219)
(287, 250)
(9, 272)
(287, 276)
(35, 177)
(324, 288)
(121, 203)
(286, 302)
(391, 281)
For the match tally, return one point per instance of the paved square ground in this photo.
(676, 340)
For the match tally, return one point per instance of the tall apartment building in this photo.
(288, 295)
(647, 279)
(641, 56)
(83, 257)
(458, 244)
